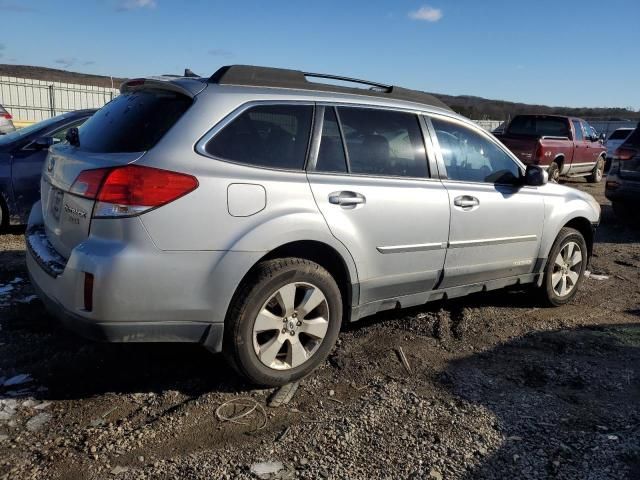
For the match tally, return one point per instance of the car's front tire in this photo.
(565, 268)
(283, 322)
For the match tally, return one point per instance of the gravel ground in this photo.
(498, 388)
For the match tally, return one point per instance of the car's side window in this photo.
(274, 136)
(331, 157)
(470, 157)
(383, 142)
(61, 133)
(578, 129)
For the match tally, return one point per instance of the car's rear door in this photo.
(369, 175)
(496, 223)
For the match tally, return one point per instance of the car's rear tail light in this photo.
(624, 154)
(131, 189)
(88, 292)
(6, 115)
(612, 185)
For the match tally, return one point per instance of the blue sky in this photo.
(562, 52)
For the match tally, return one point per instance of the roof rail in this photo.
(248, 75)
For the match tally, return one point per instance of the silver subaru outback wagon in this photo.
(257, 210)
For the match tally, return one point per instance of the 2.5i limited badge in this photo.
(74, 211)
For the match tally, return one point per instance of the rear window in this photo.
(539, 127)
(620, 134)
(133, 122)
(274, 136)
(634, 139)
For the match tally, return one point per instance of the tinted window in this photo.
(634, 139)
(620, 134)
(331, 156)
(133, 121)
(578, 128)
(383, 142)
(539, 126)
(470, 157)
(273, 136)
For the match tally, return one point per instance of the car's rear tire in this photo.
(598, 172)
(283, 321)
(554, 172)
(565, 268)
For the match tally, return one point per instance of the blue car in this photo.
(22, 154)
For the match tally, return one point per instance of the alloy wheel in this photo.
(291, 326)
(566, 269)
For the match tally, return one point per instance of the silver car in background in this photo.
(6, 122)
(257, 210)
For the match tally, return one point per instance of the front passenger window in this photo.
(470, 157)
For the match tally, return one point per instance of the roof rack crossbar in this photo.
(348, 79)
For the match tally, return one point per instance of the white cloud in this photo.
(126, 5)
(426, 13)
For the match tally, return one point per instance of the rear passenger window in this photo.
(331, 156)
(274, 136)
(383, 142)
(470, 157)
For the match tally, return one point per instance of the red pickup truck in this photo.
(563, 145)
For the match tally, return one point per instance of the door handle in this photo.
(347, 199)
(466, 201)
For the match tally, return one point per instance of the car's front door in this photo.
(496, 223)
(582, 160)
(369, 175)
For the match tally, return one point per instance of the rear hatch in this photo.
(118, 134)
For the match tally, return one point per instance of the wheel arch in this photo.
(327, 257)
(584, 226)
(559, 160)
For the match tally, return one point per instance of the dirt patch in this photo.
(498, 388)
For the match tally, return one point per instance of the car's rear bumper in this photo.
(140, 293)
(625, 190)
(208, 334)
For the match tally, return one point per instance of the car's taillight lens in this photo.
(624, 154)
(6, 115)
(131, 189)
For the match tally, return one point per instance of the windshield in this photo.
(33, 128)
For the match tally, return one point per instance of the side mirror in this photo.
(42, 143)
(535, 176)
(602, 137)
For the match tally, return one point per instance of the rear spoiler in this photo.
(184, 85)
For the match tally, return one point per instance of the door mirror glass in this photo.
(535, 176)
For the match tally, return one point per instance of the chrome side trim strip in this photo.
(492, 241)
(423, 247)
